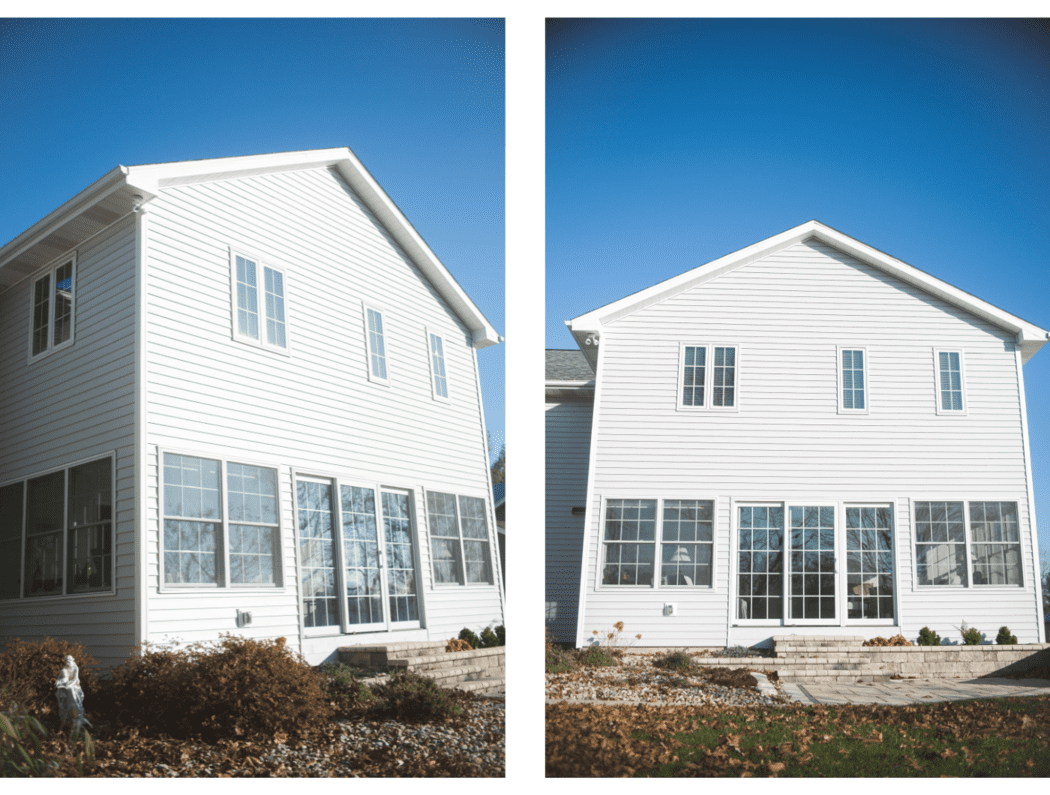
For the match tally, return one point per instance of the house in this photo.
(240, 395)
(807, 436)
(499, 500)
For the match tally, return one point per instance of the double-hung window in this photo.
(258, 303)
(951, 382)
(439, 379)
(460, 543)
(221, 525)
(708, 376)
(632, 537)
(943, 548)
(853, 380)
(56, 532)
(52, 309)
(375, 337)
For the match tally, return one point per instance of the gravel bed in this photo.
(638, 680)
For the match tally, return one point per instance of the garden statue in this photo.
(70, 696)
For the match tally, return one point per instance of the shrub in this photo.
(896, 640)
(342, 687)
(614, 638)
(488, 638)
(927, 637)
(970, 635)
(455, 644)
(409, 696)
(675, 661)
(501, 635)
(235, 688)
(30, 668)
(1004, 638)
(559, 661)
(23, 752)
(596, 656)
(470, 637)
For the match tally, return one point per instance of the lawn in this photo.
(992, 737)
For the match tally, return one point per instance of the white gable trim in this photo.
(1029, 336)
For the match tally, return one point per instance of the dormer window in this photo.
(51, 319)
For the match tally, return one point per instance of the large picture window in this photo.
(460, 542)
(52, 310)
(221, 524)
(941, 543)
(56, 532)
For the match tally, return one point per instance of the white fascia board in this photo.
(1029, 336)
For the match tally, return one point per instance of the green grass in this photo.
(818, 744)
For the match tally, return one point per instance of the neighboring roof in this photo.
(125, 188)
(567, 365)
(584, 328)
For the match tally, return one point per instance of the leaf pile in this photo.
(896, 640)
(1002, 737)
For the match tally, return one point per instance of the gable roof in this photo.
(126, 188)
(1029, 336)
(567, 365)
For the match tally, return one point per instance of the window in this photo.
(63, 521)
(853, 385)
(437, 366)
(218, 538)
(374, 331)
(708, 376)
(51, 317)
(632, 535)
(951, 389)
(259, 310)
(459, 539)
(869, 562)
(941, 543)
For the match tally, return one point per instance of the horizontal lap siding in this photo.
(72, 405)
(788, 313)
(568, 445)
(314, 410)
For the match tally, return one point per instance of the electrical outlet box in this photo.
(244, 618)
(670, 610)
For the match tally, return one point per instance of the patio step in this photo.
(481, 671)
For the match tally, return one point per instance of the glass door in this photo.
(869, 563)
(317, 533)
(362, 560)
(811, 584)
(401, 590)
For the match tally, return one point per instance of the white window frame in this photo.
(839, 367)
(709, 376)
(49, 272)
(942, 412)
(261, 265)
(969, 584)
(446, 398)
(657, 544)
(493, 545)
(223, 578)
(366, 307)
(112, 590)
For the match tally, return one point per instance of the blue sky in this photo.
(671, 143)
(420, 102)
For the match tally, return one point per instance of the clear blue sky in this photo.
(671, 143)
(420, 102)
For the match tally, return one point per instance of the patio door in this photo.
(812, 580)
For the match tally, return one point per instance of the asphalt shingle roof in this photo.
(568, 366)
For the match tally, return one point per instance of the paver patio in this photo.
(912, 691)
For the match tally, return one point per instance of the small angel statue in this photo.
(71, 696)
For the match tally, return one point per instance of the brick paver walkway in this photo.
(912, 691)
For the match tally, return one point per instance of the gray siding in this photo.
(73, 405)
(568, 444)
(314, 410)
(788, 312)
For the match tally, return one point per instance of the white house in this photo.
(806, 436)
(240, 395)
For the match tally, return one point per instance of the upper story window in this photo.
(853, 381)
(708, 376)
(259, 303)
(376, 335)
(951, 387)
(51, 312)
(437, 366)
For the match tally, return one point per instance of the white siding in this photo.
(568, 443)
(314, 410)
(73, 405)
(787, 441)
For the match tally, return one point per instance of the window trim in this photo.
(969, 585)
(367, 306)
(840, 349)
(709, 377)
(223, 584)
(942, 412)
(657, 542)
(112, 590)
(446, 398)
(69, 258)
(493, 546)
(262, 264)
